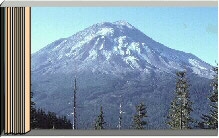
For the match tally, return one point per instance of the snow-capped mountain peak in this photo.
(112, 60)
(123, 23)
(114, 48)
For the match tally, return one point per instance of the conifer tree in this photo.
(99, 124)
(33, 119)
(211, 121)
(41, 120)
(181, 107)
(138, 120)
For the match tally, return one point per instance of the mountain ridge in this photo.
(123, 39)
(114, 63)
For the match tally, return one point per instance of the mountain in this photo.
(115, 63)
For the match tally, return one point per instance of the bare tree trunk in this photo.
(74, 108)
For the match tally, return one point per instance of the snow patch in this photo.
(121, 39)
(106, 54)
(101, 47)
(68, 54)
(88, 38)
(115, 48)
(93, 54)
(105, 31)
(124, 23)
(97, 41)
(132, 62)
(122, 45)
(135, 46)
(196, 64)
(58, 46)
(196, 70)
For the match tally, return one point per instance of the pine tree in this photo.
(41, 120)
(138, 120)
(51, 116)
(99, 124)
(211, 121)
(33, 119)
(181, 107)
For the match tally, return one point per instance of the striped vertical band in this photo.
(17, 70)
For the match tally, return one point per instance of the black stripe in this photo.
(24, 66)
(19, 48)
(22, 69)
(7, 70)
(19, 74)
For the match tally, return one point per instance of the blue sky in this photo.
(189, 29)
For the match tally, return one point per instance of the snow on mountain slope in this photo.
(115, 63)
(114, 46)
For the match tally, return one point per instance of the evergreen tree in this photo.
(51, 119)
(41, 120)
(138, 120)
(99, 124)
(211, 121)
(33, 120)
(181, 107)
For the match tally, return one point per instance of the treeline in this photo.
(180, 110)
(179, 116)
(42, 120)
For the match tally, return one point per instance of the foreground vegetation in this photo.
(179, 116)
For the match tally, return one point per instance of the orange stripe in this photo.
(27, 68)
